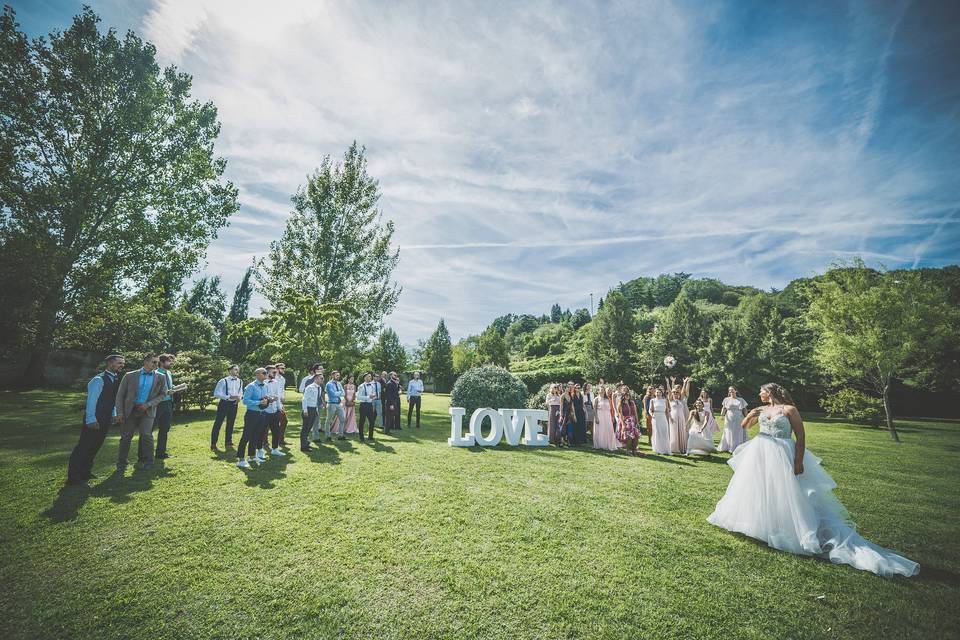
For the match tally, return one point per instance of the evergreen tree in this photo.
(387, 352)
(491, 348)
(240, 307)
(609, 346)
(437, 357)
(556, 314)
(207, 301)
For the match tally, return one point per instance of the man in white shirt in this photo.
(282, 382)
(414, 391)
(228, 391)
(307, 379)
(272, 432)
(369, 399)
(312, 399)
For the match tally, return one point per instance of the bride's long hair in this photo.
(778, 393)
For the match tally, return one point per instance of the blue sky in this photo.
(532, 153)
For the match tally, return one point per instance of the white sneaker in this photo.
(243, 464)
(261, 457)
(277, 452)
(253, 460)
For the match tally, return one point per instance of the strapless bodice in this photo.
(777, 426)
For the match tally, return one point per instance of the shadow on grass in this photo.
(936, 574)
(266, 475)
(378, 446)
(117, 487)
(324, 454)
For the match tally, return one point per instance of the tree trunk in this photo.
(889, 414)
(34, 373)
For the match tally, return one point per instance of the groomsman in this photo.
(369, 400)
(335, 406)
(275, 391)
(137, 398)
(312, 399)
(321, 404)
(414, 391)
(99, 415)
(391, 400)
(282, 421)
(307, 379)
(228, 391)
(382, 413)
(165, 408)
(256, 398)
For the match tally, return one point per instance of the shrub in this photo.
(488, 386)
(538, 400)
(853, 405)
(536, 379)
(201, 372)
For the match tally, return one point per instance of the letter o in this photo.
(496, 427)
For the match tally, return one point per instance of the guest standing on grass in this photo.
(335, 406)
(733, 432)
(165, 408)
(414, 391)
(367, 397)
(568, 417)
(349, 406)
(228, 392)
(391, 399)
(312, 398)
(554, 426)
(580, 428)
(382, 414)
(629, 433)
(660, 409)
(282, 419)
(588, 398)
(256, 398)
(100, 413)
(710, 427)
(137, 398)
(603, 431)
(273, 434)
(321, 405)
(647, 414)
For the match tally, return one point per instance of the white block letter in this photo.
(512, 426)
(531, 419)
(496, 427)
(456, 438)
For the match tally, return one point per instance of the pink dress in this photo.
(678, 426)
(603, 432)
(711, 427)
(349, 395)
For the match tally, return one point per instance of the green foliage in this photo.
(208, 301)
(556, 315)
(579, 318)
(200, 371)
(543, 338)
(105, 163)
(187, 331)
(680, 332)
(465, 355)
(609, 345)
(853, 405)
(488, 386)
(336, 249)
(240, 307)
(491, 348)
(538, 399)
(437, 357)
(536, 378)
(387, 352)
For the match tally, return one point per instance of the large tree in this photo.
(871, 326)
(206, 299)
(336, 248)
(437, 357)
(609, 346)
(387, 352)
(105, 163)
(491, 348)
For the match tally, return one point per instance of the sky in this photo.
(534, 153)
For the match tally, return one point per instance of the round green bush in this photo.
(488, 386)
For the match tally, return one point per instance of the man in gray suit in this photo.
(137, 398)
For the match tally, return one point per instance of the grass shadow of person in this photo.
(378, 446)
(266, 474)
(67, 504)
(323, 453)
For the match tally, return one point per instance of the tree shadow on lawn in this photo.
(116, 486)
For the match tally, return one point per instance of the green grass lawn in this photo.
(410, 538)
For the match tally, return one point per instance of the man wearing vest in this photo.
(228, 391)
(335, 406)
(369, 401)
(99, 415)
(165, 408)
(137, 398)
(391, 400)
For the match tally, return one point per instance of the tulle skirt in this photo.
(797, 514)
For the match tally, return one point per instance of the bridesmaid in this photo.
(603, 431)
(568, 417)
(660, 431)
(588, 398)
(733, 433)
(698, 440)
(553, 414)
(678, 422)
(580, 426)
(711, 427)
(349, 406)
(629, 432)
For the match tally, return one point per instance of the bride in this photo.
(780, 494)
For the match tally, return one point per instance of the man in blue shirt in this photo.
(335, 406)
(99, 415)
(257, 400)
(414, 391)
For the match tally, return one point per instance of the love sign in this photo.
(509, 423)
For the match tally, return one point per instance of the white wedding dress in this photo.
(795, 513)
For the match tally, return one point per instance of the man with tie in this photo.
(391, 400)
(228, 391)
(312, 399)
(164, 409)
(307, 379)
(99, 415)
(256, 399)
(137, 398)
(335, 406)
(414, 391)
(369, 400)
(274, 384)
(382, 409)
